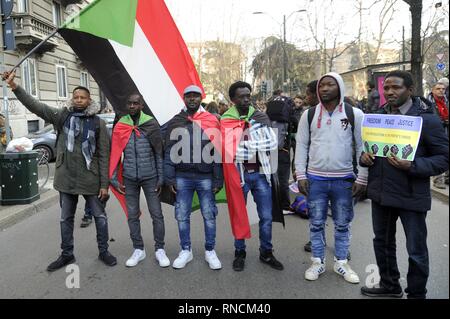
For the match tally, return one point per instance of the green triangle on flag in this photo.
(109, 19)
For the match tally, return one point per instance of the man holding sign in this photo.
(400, 188)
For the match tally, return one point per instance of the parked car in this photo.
(109, 120)
(44, 141)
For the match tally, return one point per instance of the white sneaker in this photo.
(317, 268)
(342, 268)
(212, 260)
(138, 255)
(183, 258)
(161, 257)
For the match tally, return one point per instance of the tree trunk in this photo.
(416, 44)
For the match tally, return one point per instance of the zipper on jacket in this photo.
(135, 155)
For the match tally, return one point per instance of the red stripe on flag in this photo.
(161, 31)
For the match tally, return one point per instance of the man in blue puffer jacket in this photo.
(137, 135)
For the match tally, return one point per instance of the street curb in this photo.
(14, 214)
(440, 194)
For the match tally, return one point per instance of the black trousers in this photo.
(284, 171)
(384, 221)
(68, 203)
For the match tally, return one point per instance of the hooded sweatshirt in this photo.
(325, 150)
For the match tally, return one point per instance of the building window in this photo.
(33, 126)
(57, 14)
(84, 79)
(22, 6)
(61, 81)
(29, 76)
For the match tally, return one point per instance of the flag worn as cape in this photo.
(209, 125)
(232, 128)
(133, 46)
(121, 135)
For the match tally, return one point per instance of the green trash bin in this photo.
(19, 178)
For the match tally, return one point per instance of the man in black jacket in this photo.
(400, 188)
(192, 164)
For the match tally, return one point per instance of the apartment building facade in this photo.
(54, 70)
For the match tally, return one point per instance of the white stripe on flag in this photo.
(150, 77)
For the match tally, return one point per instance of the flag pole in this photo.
(34, 49)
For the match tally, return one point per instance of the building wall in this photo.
(45, 72)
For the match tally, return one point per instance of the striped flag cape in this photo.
(133, 46)
(232, 129)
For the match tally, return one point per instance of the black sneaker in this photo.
(239, 260)
(268, 258)
(61, 262)
(382, 292)
(108, 259)
(85, 222)
(307, 247)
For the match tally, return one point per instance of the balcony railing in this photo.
(30, 31)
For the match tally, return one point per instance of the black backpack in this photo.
(351, 119)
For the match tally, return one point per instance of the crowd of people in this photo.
(315, 138)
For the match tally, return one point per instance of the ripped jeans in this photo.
(183, 208)
(68, 203)
(339, 193)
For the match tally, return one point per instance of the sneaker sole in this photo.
(69, 263)
(213, 268)
(163, 266)
(110, 265)
(181, 267)
(313, 279)
(368, 294)
(352, 282)
(136, 263)
(271, 266)
(310, 279)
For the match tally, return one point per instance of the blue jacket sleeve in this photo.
(436, 144)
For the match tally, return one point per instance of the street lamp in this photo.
(285, 60)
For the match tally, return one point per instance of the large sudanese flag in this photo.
(133, 46)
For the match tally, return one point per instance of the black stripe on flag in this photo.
(102, 62)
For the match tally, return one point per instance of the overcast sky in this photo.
(232, 20)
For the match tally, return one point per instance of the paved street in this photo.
(27, 248)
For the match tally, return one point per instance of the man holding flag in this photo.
(247, 139)
(192, 164)
(82, 149)
(137, 136)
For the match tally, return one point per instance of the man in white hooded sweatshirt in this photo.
(327, 137)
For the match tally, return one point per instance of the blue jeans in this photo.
(87, 211)
(183, 208)
(339, 193)
(262, 195)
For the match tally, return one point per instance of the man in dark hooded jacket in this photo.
(401, 189)
(81, 168)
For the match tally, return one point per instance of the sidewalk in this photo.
(441, 194)
(10, 215)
